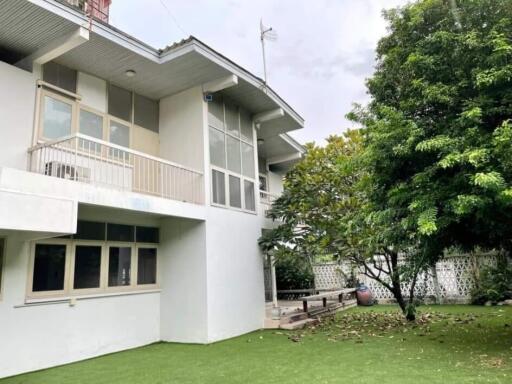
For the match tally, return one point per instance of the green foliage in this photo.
(437, 138)
(494, 284)
(293, 272)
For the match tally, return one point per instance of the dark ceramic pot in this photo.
(364, 295)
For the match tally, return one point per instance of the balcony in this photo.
(84, 159)
(266, 200)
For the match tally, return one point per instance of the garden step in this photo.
(298, 324)
(295, 317)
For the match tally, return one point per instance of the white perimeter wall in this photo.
(17, 100)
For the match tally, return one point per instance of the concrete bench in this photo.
(324, 296)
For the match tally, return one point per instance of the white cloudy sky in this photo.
(324, 51)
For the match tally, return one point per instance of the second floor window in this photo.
(231, 155)
(62, 114)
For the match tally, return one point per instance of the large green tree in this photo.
(433, 166)
(438, 134)
(326, 208)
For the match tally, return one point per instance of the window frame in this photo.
(84, 291)
(69, 270)
(133, 275)
(47, 294)
(227, 173)
(136, 266)
(67, 100)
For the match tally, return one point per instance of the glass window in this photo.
(119, 134)
(147, 235)
(247, 160)
(60, 76)
(91, 124)
(235, 199)
(56, 118)
(216, 113)
(232, 122)
(246, 127)
(120, 232)
(217, 148)
(87, 267)
(263, 183)
(146, 112)
(120, 103)
(119, 266)
(233, 154)
(90, 230)
(49, 267)
(250, 203)
(146, 266)
(218, 187)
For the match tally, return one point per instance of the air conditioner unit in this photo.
(67, 171)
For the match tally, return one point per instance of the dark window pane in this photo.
(60, 76)
(249, 195)
(49, 266)
(119, 266)
(235, 199)
(120, 103)
(147, 235)
(146, 267)
(87, 267)
(90, 230)
(120, 232)
(146, 113)
(218, 187)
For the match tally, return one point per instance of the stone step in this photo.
(295, 317)
(298, 324)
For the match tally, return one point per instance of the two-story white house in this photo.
(133, 185)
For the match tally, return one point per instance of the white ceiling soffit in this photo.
(280, 148)
(25, 26)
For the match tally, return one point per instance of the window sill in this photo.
(69, 299)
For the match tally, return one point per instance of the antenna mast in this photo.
(266, 33)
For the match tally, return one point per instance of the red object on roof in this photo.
(99, 9)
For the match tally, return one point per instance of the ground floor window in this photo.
(91, 262)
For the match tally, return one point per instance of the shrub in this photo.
(494, 284)
(293, 273)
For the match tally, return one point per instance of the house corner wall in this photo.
(17, 101)
(183, 271)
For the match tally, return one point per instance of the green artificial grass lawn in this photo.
(448, 344)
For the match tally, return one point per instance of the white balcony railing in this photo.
(84, 159)
(266, 200)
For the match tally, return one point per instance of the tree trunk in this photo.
(407, 308)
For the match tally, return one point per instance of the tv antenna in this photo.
(266, 33)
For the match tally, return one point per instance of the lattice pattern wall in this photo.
(455, 278)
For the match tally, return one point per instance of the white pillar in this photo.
(274, 282)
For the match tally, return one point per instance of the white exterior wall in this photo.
(236, 301)
(275, 183)
(40, 336)
(17, 100)
(184, 316)
(182, 128)
(210, 265)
